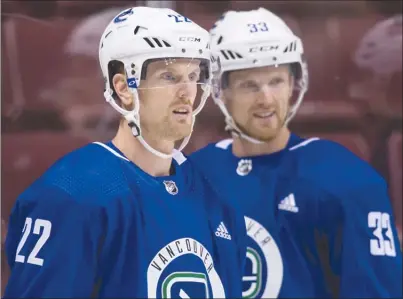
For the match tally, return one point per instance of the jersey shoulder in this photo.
(206, 185)
(212, 160)
(208, 163)
(211, 154)
(332, 165)
(90, 174)
(222, 146)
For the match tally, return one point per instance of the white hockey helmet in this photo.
(251, 39)
(141, 34)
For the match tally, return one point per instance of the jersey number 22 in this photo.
(40, 225)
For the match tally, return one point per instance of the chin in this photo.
(180, 132)
(265, 137)
(262, 134)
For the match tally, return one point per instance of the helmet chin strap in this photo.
(232, 126)
(235, 130)
(133, 118)
(158, 153)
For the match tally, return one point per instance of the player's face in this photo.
(258, 99)
(167, 96)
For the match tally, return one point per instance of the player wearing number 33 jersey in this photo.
(318, 217)
(131, 218)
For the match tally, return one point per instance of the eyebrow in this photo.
(247, 78)
(197, 70)
(170, 69)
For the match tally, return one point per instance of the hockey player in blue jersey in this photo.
(131, 218)
(301, 197)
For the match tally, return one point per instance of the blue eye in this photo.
(276, 81)
(249, 85)
(168, 76)
(194, 77)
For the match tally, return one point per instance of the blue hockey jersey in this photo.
(319, 220)
(96, 225)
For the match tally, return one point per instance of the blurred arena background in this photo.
(52, 99)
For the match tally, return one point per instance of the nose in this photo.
(265, 95)
(184, 90)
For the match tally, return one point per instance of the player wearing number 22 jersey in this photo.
(132, 218)
(95, 223)
(319, 218)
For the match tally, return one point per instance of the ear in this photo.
(122, 90)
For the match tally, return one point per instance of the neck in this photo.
(139, 155)
(242, 147)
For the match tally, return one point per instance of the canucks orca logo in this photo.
(263, 275)
(183, 284)
(253, 281)
(161, 283)
(123, 16)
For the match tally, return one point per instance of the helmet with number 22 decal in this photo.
(139, 36)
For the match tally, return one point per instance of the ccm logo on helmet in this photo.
(123, 16)
(263, 48)
(190, 39)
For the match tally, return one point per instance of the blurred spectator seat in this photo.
(53, 64)
(63, 77)
(325, 112)
(40, 9)
(209, 9)
(302, 8)
(205, 20)
(371, 61)
(395, 161)
(74, 9)
(322, 58)
(32, 55)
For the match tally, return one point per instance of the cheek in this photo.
(284, 103)
(194, 91)
(239, 106)
(283, 97)
(189, 90)
(153, 103)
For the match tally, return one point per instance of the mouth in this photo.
(183, 110)
(264, 115)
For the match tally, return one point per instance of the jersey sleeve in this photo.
(52, 245)
(365, 252)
